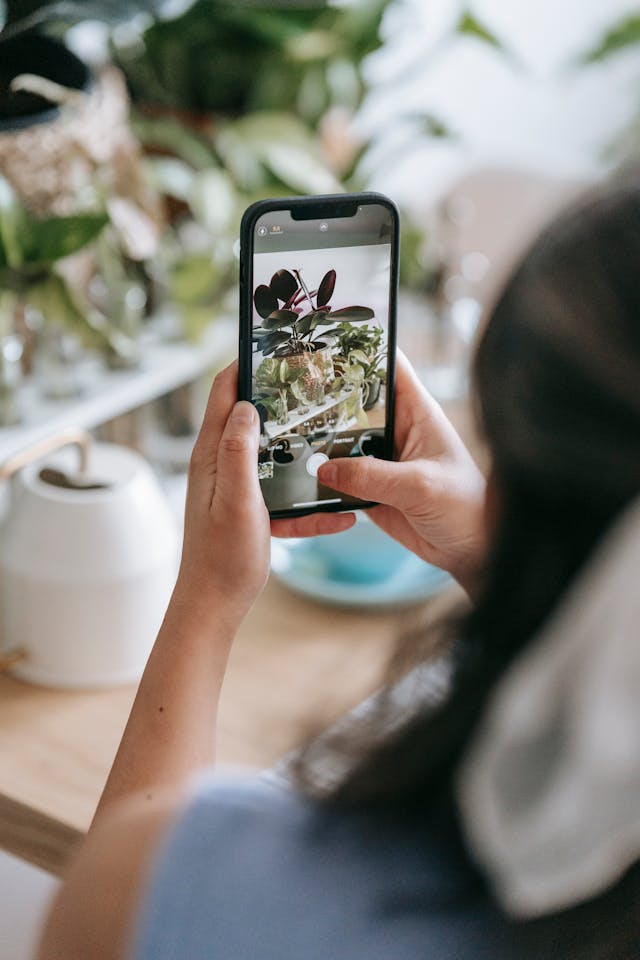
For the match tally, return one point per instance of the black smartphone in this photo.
(318, 290)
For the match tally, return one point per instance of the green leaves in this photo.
(11, 215)
(266, 149)
(310, 321)
(274, 374)
(623, 34)
(284, 285)
(46, 241)
(353, 314)
(23, 15)
(359, 356)
(52, 298)
(278, 319)
(469, 25)
(27, 242)
(265, 300)
(326, 288)
(268, 342)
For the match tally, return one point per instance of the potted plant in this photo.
(363, 345)
(274, 379)
(31, 250)
(292, 320)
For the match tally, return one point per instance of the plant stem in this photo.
(304, 287)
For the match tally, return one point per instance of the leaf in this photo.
(174, 137)
(23, 16)
(11, 217)
(326, 288)
(325, 317)
(299, 169)
(625, 33)
(434, 126)
(360, 356)
(280, 142)
(279, 318)
(213, 200)
(54, 300)
(354, 314)
(170, 176)
(284, 285)
(194, 279)
(361, 417)
(299, 392)
(469, 25)
(265, 300)
(53, 239)
(306, 324)
(268, 344)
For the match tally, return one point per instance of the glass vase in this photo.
(60, 364)
(11, 349)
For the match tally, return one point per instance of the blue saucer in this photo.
(300, 565)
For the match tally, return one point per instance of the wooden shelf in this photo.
(165, 366)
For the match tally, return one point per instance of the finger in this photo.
(236, 475)
(314, 525)
(222, 396)
(383, 481)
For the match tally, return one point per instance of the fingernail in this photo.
(328, 473)
(243, 412)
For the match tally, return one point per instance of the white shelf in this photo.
(165, 366)
(274, 429)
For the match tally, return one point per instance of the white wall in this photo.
(535, 111)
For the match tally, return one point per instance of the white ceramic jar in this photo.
(85, 575)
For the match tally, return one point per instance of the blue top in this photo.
(253, 871)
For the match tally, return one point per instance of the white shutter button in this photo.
(314, 463)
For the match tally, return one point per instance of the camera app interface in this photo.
(321, 300)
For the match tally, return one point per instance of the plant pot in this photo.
(50, 155)
(45, 57)
(319, 367)
(37, 151)
(373, 395)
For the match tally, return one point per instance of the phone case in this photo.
(316, 207)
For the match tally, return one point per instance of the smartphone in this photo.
(318, 290)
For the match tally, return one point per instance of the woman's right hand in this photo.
(432, 498)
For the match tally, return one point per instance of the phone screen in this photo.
(321, 295)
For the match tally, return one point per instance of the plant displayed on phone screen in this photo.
(314, 354)
(291, 313)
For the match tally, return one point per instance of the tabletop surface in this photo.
(295, 663)
(296, 666)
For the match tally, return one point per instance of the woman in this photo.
(379, 865)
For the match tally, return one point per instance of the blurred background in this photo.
(140, 131)
(132, 137)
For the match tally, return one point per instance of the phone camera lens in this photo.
(262, 231)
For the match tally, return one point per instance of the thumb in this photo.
(369, 478)
(237, 459)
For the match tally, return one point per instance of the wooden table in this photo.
(294, 661)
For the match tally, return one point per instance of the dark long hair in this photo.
(557, 389)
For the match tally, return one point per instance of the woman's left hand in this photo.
(225, 556)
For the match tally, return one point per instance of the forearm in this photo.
(170, 733)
